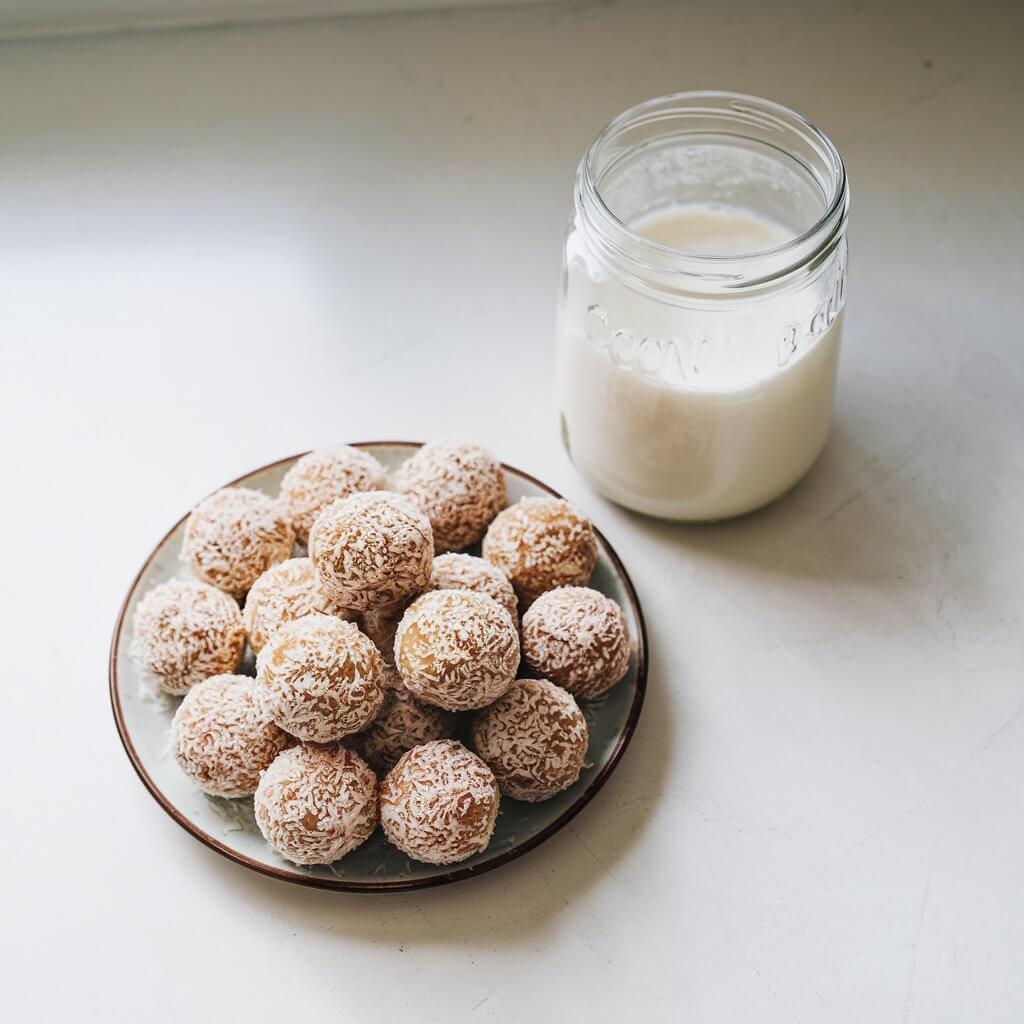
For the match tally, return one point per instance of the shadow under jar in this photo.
(701, 304)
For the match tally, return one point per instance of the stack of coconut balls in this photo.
(371, 650)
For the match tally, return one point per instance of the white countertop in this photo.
(221, 247)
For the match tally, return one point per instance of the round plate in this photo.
(227, 826)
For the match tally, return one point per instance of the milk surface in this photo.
(711, 229)
(696, 446)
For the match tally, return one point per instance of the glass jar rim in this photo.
(693, 272)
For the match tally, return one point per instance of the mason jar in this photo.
(701, 306)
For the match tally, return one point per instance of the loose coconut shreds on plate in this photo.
(287, 591)
(467, 572)
(578, 638)
(458, 649)
(324, 476)
(534, 738)
(222, 740)
(184, 632)
(374, 548)
(314, 804)
(459, 486)
(403, 723)
(541, 543)
(235, 535)
(320, 679)
(439, 803)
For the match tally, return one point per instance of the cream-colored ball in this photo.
(534, 738)
(320, 679)
(466, 572)
(287, 591)
(324, 476)
(403, 723)
(372, 549)
(314, 804)
(459, 486)
(235, 535)
(222, 738)
(457, 649)
(541, 543)
(185, 632)
(577, 637)
(439, 803)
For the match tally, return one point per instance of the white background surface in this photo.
(219, 248)
(37, 18)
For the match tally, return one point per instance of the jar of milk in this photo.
(701, 305)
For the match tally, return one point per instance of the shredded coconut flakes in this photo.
(235, 535)
(323, 476)
(320, 679)
(578, 638)
(459, 486)
(457, 649)
(287, 591)
(184, 632)
(541, 543)
(534, 738)
(439, 803)
(466, 572)
(314, 805)
(222, 740)
(374, 548)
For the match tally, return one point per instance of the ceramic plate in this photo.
(227, 826)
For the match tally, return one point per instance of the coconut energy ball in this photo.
(459, 486)
(234, 536)
(186, 631)
(315, 804)
(578, 638)
(222, 740)
(534, 738)
(403, 723)
(541, 543)
(320, 679)
(287, 591)
(439, 803)
(323, 476)
(465, 572)
(457, 649)
(380, 624)
(375, 548)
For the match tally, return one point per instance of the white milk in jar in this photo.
(701, 309)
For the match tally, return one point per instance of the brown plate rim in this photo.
(404, 885)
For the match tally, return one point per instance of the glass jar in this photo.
(701, 304)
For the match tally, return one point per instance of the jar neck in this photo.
(711, 147)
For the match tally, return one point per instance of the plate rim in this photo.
(402, 885)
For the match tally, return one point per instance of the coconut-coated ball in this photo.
(186, 631)
(578, 638)
(466, 572)
(459, 486)
(403, 723)
(457, 649)
(380, 624)
(541, 543)
(320, 679)
(439, 803)
(315, 804)
(323, 476)
(534, 738)
(374, 548)
(287, 591)
(222, 739)
(234, 536)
